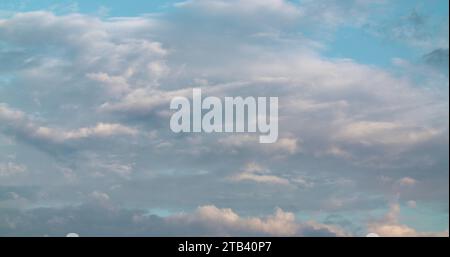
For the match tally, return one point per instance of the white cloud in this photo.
(117, 85)
(256, 173)
(102, 199)
(10, 115)
(100, 130)
(285, 145)
(113, 52)
(279, 8)
(279, 224)
(411, 204)
(100, 196)
(109, 164)
(385, 133)
(22, 124)
(282, 12)
(407, 181)
(288, 144)
(143, 101)
(303, 182)
(325, 102)
(227, 222)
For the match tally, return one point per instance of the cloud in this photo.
(334, 14)
(115, 56)
(143, 101)
(407, 181)
(280, 10)
(94, 93)
(283, 13)
(103, 200)
(437, 58)
(133, 91)
(412, 204)
(389, 226)
(27, 129)
(9, 115)
(225, 221)
(385, 133)
(256, 173)
(100, 218)
(115, 84)
(11, 169)
(286, 145)
(100, 130)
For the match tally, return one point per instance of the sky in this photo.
(86, 147)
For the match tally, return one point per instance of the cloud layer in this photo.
(84, 107)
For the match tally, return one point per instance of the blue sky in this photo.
(85, 88)
(345, 43)
(115, 7)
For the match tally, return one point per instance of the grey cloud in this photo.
(437, 58)
(99, 219)
(17, 123)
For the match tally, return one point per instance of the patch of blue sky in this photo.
(436, 8)
(425, 217)
(350, 220)
(103, 7)
(366, 48)
(5, 80)
(160, 212)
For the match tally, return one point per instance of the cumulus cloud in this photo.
(115, 56)
(225, 221)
